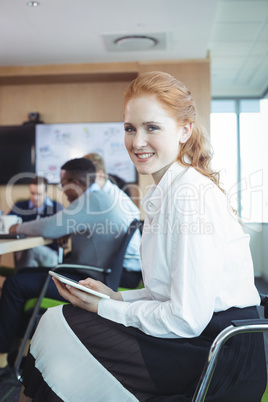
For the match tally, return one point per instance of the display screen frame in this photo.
(17, 154)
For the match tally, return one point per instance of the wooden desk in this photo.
(9, 246)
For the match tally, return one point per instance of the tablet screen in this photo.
(75, 284)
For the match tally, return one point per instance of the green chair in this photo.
(265, 395)
(45, 303)
(140, 286)
(6, 271)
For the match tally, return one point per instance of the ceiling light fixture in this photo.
(33, 4)
(135, 42)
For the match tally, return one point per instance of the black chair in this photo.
(110, 276)
(237, 327)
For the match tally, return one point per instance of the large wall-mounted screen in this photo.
(17, 154)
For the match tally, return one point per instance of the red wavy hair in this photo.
(177, 100)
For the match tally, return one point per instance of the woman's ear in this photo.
(186, 133)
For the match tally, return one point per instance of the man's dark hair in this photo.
(37, 180)
(81, 169)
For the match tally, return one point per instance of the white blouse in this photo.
(195, 260)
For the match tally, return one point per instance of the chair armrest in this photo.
(237, 327)
(264, 303)
(257, 321)
(76, 266)
(96, 273)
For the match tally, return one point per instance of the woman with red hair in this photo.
(151, 344)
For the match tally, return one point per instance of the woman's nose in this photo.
(139, 140)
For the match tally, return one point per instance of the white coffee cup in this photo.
(8, 220)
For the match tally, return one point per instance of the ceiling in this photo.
(232, 33)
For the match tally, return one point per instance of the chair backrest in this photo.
(116, 265)
(237, 327)
(111, 274)
(112, 277)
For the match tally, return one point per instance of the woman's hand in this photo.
(82, 299)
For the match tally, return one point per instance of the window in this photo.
(224, 143)
(239, 137)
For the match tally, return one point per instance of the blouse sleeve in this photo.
(133, 295)
(187, 257)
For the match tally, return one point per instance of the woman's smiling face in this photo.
(152, 137)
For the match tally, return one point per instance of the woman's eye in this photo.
(153, 128)
(129, 129)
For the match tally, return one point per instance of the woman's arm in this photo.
(182, 264)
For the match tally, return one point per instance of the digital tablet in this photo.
(75, 284)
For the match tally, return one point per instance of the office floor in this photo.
(10, 387)
(9, 390)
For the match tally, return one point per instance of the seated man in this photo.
(131, 275)
(96, 226)
(36, 207)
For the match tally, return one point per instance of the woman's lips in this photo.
(144, 156)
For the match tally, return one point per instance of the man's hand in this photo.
(62, 241)
(13, 228)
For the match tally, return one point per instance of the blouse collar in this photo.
(153, 199)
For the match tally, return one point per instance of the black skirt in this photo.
(160, 369)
